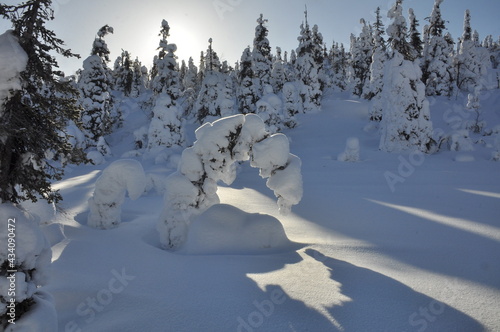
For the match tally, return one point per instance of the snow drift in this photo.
(225, 229)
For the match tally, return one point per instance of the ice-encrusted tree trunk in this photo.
(120, 177)
(406, 122)
(213, 157)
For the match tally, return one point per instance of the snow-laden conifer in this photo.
(406, 123)
(166, 129)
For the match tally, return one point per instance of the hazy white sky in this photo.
(231, 23)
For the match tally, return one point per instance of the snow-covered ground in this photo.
(393, 242)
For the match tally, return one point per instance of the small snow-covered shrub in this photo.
(213, 157)
(28, 307)
(126, 175)
(351, 152)
(460, 141)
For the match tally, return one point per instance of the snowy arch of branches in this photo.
(192, 189)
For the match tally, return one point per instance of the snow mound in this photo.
(224, 229)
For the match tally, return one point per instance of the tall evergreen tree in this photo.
(124, 73)
(406, 122)
(437, 66)
(95, 85)
(46, 101)
(308, 70)
(415, 35)
(167, 76)
(376, 84)
(139, 78)
(472, 60)
(261, 57)
(165, 129)
(216, 97)
(248, 93)
(35, 109)
(361, 57)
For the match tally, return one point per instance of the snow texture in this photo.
(126, 175)
(212, 158)
(13, 61)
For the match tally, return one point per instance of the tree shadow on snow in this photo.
(380, 303)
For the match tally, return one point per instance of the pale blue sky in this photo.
(231, 23)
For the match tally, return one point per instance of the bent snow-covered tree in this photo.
(126, 175)
(213, 157)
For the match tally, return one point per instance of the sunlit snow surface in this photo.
(422, 254)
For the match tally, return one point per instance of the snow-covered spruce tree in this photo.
(308, 70)
(339, 61)
(472, 60)
(139, 79)
(216, 97)
(414, 35)
(437, 65)
(361, 57)
(270, 110)
(373, 91)
(165, 129)
(35, 108)
(123, 73)
(406, 122)
(247, 88)
(261, 58)
(278, 75)
(95, 85)
(291, 103)
(191, 88)
(219, 146)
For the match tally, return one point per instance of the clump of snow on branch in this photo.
(351, 152)
(213, 157)
(126, 175)
(13, 62)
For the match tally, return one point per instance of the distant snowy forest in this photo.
(49, 120)
(396, 67)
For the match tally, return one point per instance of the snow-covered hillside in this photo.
(393, 242)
